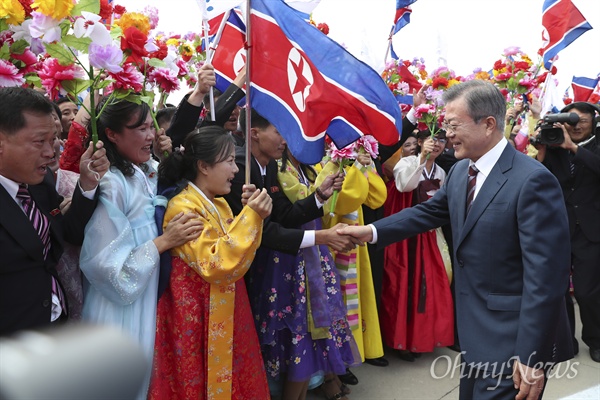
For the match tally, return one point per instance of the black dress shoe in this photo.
(595, 354)
(406, 355)
(348, 378)
(378, 362)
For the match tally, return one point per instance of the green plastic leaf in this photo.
(61, 53)
(157, 63)
(65, 25)
(5, 51)
(33, 79)
(116, 32)
(133, 98)
(76, 86)
(19, 46)
(82, 44)
(92, 6)
(104, 83)
(3, 25)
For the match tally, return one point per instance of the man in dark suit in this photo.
(279, 231)
(31, 245)
(511, 250)
(576, 165)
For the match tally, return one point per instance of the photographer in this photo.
(576, 164)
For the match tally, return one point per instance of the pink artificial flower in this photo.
(128, 79)
(152, 14)
(511, 51)
(345, 153)
(422, 109)
(184, 70)
(52, 74)
(370, 144)
(10, 75)
(165, 78)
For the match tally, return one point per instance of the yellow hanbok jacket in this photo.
(362, 186)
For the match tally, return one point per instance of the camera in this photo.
(549, 135)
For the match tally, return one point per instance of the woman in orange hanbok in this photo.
(206, 346)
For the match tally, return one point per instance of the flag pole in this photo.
(544, 89)
(389, 46)
(248, 107)
(206, 27)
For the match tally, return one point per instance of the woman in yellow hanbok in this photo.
(206, 346)
(362, 186)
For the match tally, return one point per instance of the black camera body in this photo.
(549, 135)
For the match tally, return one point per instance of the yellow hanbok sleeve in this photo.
(377, 193)
(225, 249)
(354, 190)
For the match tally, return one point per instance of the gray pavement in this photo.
(434, 376)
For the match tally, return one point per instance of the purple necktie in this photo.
(42, 227)
(473, 171)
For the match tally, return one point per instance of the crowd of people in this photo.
(265, 289)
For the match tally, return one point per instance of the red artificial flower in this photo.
(498, 65)
(567, 101)
(53, 74)
(541, 78)
(521, 66)
(323, 27)
(128, 79)
(27, 7)
(119, 10)
(106, 10)
(133, 41)
(504, 76)
(438, 82)
(553, 70)
(162, 51)
(504, 92)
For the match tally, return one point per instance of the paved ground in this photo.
(431, 377)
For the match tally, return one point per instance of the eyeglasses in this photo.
(452, 128)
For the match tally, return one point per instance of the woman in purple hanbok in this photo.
(298, 306)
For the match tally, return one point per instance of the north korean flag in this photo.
(307, 85)
(583, 87)
(402, 17)
(230, 54)
(563, 23)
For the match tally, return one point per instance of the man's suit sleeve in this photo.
(386, 152)
(414, 220)
(78, 215)
(184, 121)
(590, 158)
(274, 236)
(545, 246)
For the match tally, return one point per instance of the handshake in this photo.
(343, 237)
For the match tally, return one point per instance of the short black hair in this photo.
(14, 101)
(256, 121)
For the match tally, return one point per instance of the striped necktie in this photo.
(41, 224)
(40, 221)
(473, 171)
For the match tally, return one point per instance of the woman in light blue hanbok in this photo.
(120, 253)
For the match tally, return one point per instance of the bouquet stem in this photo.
(336, 192)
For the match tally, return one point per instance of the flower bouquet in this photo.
(342, 157)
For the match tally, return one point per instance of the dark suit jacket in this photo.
(511, 259)
(278, 229)
(582, 190)
(186, 117)
(25, 277)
